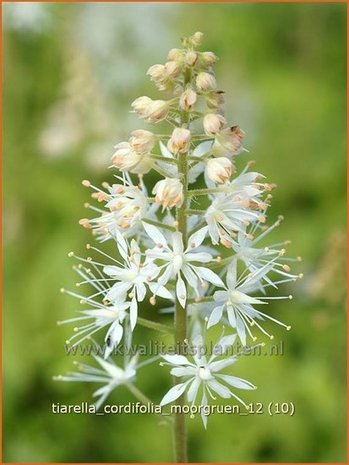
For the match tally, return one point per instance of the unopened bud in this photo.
(125, 157)
(187, 99)
(208, 58)
(172, 69)
(174, 54)
(179, 141)
(157, 111)
(156, 73)
(142, 141)
(213, 123)
(168, 193)
(191, 58)
(205, 82)
(150, 110)
(220, 169)
(196, 39)
(140, 105)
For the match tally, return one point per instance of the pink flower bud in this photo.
(187, 99)
(191, 58)
(140, 105)
(175, 54)
(196, 39)
(156, 73)
(172, 69)
(168, 193)
(208, 58)
(142, 141)
(180, 141)
(219, 169)
(125, 158)
(150, 110)
(213, 123)
(205, 82)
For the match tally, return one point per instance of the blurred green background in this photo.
(70, 73)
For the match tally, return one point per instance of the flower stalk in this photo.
(210, 264)
(180, 430)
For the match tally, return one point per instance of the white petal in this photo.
(221, 364)
(199, 350)
(202, 257)
(166, 276)
(114, 371)
(113, 337)
(221, 390)
(164, 150)
(160, 291)
(118, 292)
(191, 277)
(173, 394)
(197, 238)
(237, 382)
(193, 390)
(202, 148)
(176, 359)
(102, 390)
(215, 316)
(224, 344)
(181, 291)
(203, 404)
(221, 296)
(240, 327)
(231, 275)
(177, 242)
(231, 317)
(114, 271)
(155, 234)
(121, 243)
(183, 371)
(133, 313)
(209, 275)
(195, 171)
(140, 291)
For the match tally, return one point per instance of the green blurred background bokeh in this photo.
(70, 73)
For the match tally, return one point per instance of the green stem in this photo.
(153, 325)
(180, 431)
(171, 161)
(194, 192)
(193, 211)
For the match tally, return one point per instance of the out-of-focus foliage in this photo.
(70, 72)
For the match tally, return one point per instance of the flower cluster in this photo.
(208, 263)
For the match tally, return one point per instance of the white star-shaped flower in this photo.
(180, 261)
(133, 278)
(202, 373)
(110, 375)
(237, 302)
(235, 209)
(256, 258)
